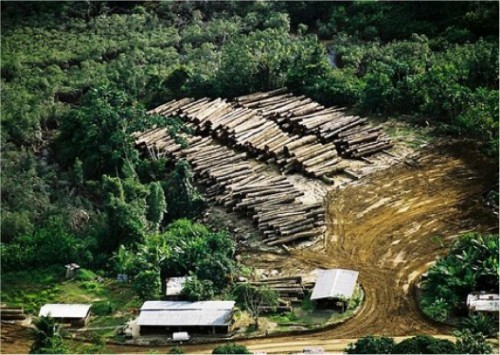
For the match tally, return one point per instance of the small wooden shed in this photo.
(174, 287)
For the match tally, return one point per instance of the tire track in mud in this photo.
(392, 226)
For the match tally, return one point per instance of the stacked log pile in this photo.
(353, 135)
(287, 288)
(271, 201)
(248, 130)
(12, 313)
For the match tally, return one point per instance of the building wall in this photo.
(74, 322)
(167, 331)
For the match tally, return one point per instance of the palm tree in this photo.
(48, 339)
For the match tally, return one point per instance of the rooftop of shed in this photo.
(334, 283)
(180, 313)
(60, 310)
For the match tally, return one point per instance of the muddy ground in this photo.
(390, 225)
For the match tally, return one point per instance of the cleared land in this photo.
(390, 226)
(387, 227)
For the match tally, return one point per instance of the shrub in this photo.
(469, 343)
(198, 290)
(480, 324)
(231, 349)
(371, 345)
(423, 344)
(472, 264)
(102, 308)
(85, 275)
(176, 350)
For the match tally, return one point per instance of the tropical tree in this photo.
(480, 324)
(147, 285)
(157, 205)
(48, 339)
(183, 198)
(124, 260)
(253, 299)
(125, 206)
(99, 132)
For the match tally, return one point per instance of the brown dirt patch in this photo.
(391, 226)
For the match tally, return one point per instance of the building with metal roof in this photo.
(334, 284)
(483, 303)
(193, 317)
(76, 315)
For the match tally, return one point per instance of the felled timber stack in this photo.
(362, 141)
(308, 155)
(272, 204)
(158, 142)
(248, 130)
(353, 135)
(283, 306)
(288, 288)
(12, 313)
(231, 181)
(239, 127)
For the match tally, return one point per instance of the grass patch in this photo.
(109, 323)
(285, 318)
(32, 289)
(410, 134)
(307, 304)
(307, 315)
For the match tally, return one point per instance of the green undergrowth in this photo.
(32, 289)
(307, 315)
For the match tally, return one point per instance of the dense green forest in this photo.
(77, 78)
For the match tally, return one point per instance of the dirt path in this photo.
(271, 346)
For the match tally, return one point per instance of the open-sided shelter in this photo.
(334, 285)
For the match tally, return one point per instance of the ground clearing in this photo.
(426, 205)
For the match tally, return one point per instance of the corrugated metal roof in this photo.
(59, 310)
(334, 283)
(483, 302)
(184, 305)
(182, 313)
